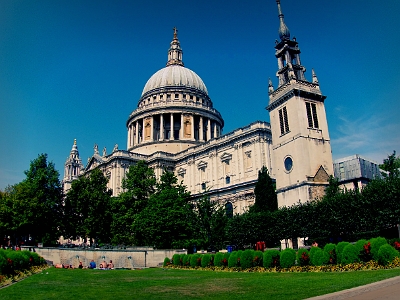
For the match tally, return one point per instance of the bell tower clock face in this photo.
(288, 164)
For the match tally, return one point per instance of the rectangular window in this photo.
(283, 120)
(312, 117)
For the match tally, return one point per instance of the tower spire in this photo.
(175, 51)
(284, 32)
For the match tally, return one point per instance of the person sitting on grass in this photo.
(80, 265)
(92, 265)
(111, 265)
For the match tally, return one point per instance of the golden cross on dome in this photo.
(175, 32)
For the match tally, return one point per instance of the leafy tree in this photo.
(37, 202)
(6, 212)
(139, 184)
(211, 221)
(166, 221)
(87, 208)
(266, 199)
(391, 165)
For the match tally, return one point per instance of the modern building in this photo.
(176, 127)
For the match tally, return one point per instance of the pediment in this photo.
(321, 175)
(202, 164)
(93, 162)
(226, 156)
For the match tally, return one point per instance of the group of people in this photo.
(92, 265)
(102, 266)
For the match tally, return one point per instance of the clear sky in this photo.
(76, 69)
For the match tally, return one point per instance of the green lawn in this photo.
(182, 284)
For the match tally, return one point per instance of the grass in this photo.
(182, 284)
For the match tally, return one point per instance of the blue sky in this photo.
(76, 69)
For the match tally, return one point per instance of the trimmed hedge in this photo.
(386, 254)
(167, 262)
(176, 259)
(376, 243)
(319, 257)
(350, 255)
(195, 260)
(233, 260)
(257, 258)
(330, 249)
(287, 258)
(186, 260)
(225, 259)
(339, 251)
(271, 258)
(303, 257)
(12, 261)
(246, 259)
(206, 260)
(218, 259)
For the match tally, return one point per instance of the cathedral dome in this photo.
(175, 75)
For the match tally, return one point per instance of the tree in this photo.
(391, 165)
(211, 221)
(264, 191)
(37, 202)
(166, 221)
(88, 208)
(139, 184)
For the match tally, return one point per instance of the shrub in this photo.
(3, 264)
(386, 254)
(287, 258)
(246, 259)
(319, 257)
(176, 259)
(206, 260)
(195, 260)
(186, 260)
(271, 259)
(167, 262)
(181, 258)
(376, 243)
(330, 249)
(339, 250)
(218, 259)
(350, 255)
(303, 257)
(19, 260)
(233, 259)
(364, 250)
(257, 258)
(225, 259)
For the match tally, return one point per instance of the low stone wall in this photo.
(135, 258)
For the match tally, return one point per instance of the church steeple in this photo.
(284, 32)
(175, 51)
(72, 167)
(287, 53)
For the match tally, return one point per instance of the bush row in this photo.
(12, 261)
(344, 253)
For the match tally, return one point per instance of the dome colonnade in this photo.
(174, 111)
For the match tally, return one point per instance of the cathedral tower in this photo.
(302, 157)
(72, 167)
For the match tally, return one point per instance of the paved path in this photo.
(388, 289)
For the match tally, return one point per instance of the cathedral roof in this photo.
(172, 76)
(175, 74)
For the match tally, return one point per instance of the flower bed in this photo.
(349, 257)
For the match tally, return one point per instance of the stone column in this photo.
(129, 136)
(161, 127)
(171, 137)
(208, 129)
(192, 127)
(201, 124)
(181, 131)
(215, 129)
(152, 128)
(143, 132)
(137, 132)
